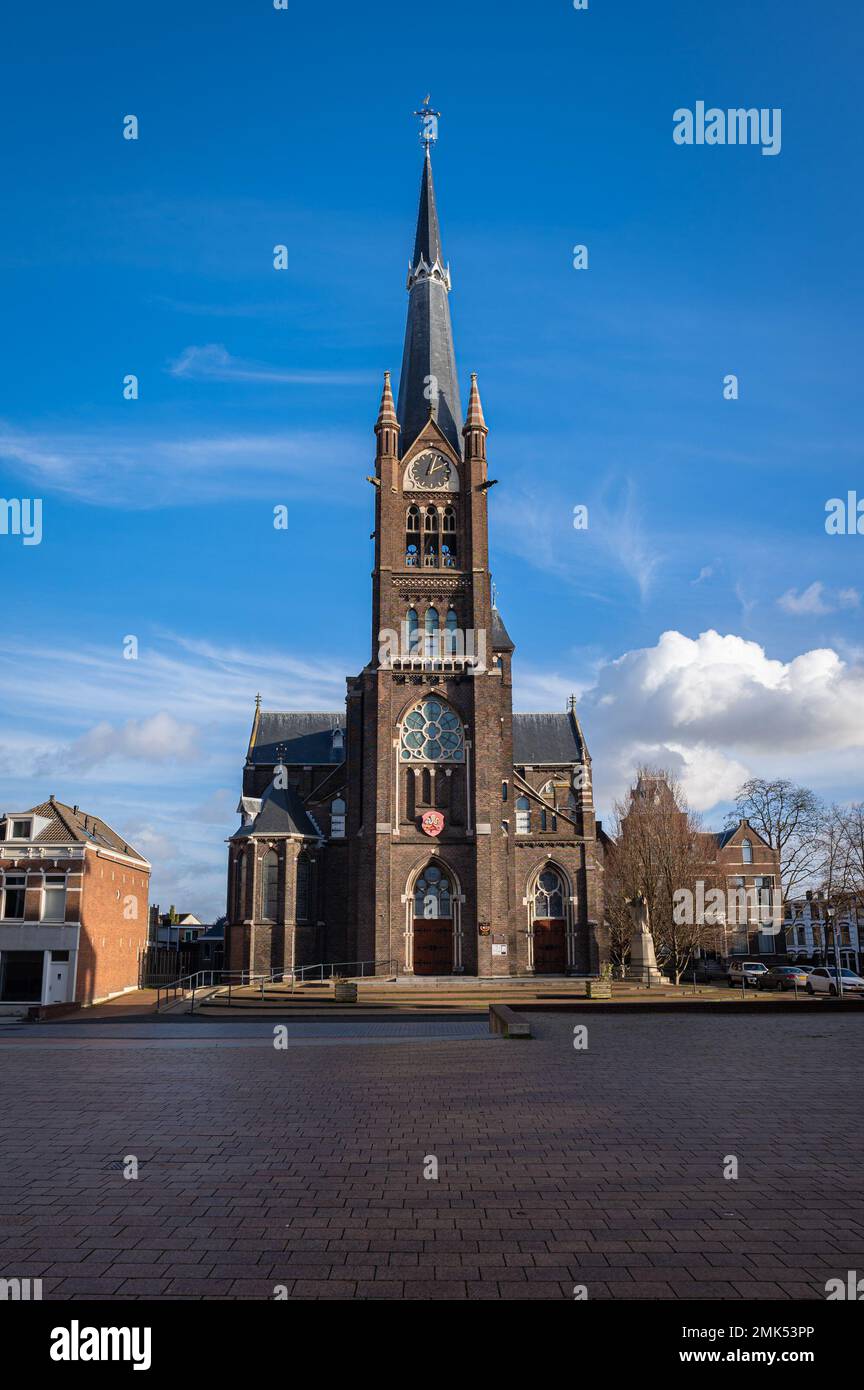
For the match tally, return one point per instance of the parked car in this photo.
(748, 971)
(823, 980)
(783, 977)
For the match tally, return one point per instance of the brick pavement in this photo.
(304, 1168)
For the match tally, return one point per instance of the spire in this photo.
(428, 385)
(474, 419)
(387, 411)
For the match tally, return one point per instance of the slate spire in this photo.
(428, 383)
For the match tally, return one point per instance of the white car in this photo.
(823, 980)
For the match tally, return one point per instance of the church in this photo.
(425, 829)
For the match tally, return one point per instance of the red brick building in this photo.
(73, 908)
(425, 827)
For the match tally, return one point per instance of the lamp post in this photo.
(830, 921)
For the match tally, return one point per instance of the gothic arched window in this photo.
(448, 538)
(432, 894)
(523, 815)
(451, 625)
(240, 901)
(270, 890)
(549, 895)
(548, 819)
(433, 632)
(337, 819)
(412, 537)
(303, 874)
(432, 733)
(747, 851)
(430, 538)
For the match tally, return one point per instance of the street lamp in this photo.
(830, 916)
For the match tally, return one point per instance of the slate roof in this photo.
(501, 640)
(300, 737)
(282, 813)
(69, 825)
(428, 335)
(545, 738)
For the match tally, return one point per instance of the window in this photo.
(523, 815)
(432, 896)
(302, 888)
(412, 629)
(240, 883)
(21, 976)
(337, 819)
(504, 791)
(412, 538)
(54, 898)
(432, 733)
(432, 624)
(20, 830)
(448, 538)
(747, 851)
(549, 895)
(271, 886)
(451, 632)
(430, 538)
(13, 897)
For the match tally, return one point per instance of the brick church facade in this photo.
(426, 828)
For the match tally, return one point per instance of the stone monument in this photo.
(643, 962)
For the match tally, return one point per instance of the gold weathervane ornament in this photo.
(428, 123)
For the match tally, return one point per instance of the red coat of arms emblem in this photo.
(432, 823)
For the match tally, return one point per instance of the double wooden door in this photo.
(550, 946)
(433, 946)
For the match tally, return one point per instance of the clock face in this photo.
(431, 470)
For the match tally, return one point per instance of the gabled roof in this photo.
(296, 737)
(69, 825)
(546, 738)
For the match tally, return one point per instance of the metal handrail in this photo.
(206, 979)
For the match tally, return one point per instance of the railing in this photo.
(189, 985)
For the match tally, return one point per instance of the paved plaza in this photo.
(302, 1169)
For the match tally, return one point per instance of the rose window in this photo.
(432, 733)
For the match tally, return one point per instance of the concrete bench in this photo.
(503, 1019)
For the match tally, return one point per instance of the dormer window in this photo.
(20, 830)
(338, 740)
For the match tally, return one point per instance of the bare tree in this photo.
(790, 818)
(660, 851)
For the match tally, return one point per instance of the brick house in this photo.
(73, 908)
(425, 828)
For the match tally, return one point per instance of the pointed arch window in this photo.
(433, 894)
(240, 887)
(303, 878)
(430, 538)
(432, 732)
(412, 538)
(433, 633)
(548, 818)
(270, 889)
(549, 895)
(448, 538)
(337, 819)
(451, 632)
(523, 815)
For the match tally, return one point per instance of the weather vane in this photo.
(428, 124)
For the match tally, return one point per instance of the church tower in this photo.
(427, 829)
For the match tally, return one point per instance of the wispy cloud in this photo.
(213, 362)
(817, 600)
(137, 472)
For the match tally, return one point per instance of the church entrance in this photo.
(550, 924)
(433, 923)
(550, 946)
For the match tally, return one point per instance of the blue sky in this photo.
(601, 387)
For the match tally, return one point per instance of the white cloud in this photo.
(161, 738)
(817, 600)
(186, 471)
(213, 362)
(718, 709)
